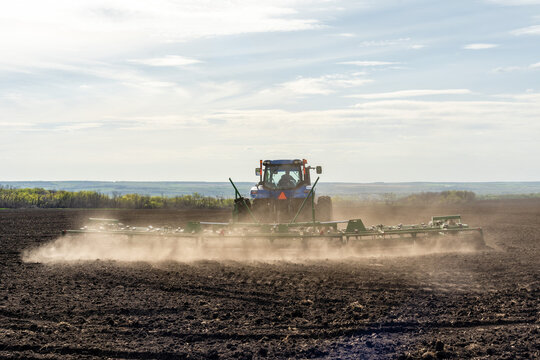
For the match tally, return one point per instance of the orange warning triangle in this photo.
(282, 196)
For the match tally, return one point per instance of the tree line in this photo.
(43, 198)
(422, 198)
(443, 197)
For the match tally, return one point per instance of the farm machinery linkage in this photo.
(282, 211)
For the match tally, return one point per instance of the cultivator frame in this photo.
(447, 228)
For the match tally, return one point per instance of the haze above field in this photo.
(187, 90)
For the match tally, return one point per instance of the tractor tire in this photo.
(305, 214)
(261, 208)
(324, 208)
(243, 211)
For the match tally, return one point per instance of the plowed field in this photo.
(445, 305)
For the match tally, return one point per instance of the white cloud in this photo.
(479, 46)
(529, 96)
(368, 63)
(451, 118)
(323, 85)
(412, 93)
(69, 30)
(302, 86)
(385, 43)
(169, 60)
(78, 126)
(15, 124)
(506, 69)
(66, 67)
(155, 122)
(531, 30)
(514, 2)
(116, 74)
(307, 86)
(405, 134)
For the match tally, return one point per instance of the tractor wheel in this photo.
(243, 211)
(261, 208)
(324, 208)
(305, 214)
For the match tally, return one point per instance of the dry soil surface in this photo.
(445, 305)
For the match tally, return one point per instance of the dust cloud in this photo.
(91, 247)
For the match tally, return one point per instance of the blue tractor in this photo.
(284, 185)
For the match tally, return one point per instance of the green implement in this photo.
(445, 231)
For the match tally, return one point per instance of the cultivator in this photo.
(445, 232)
(250, 225)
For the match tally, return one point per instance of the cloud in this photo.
(376, 118)
(169, 60)
(86, 29)
(528, 96)
(479, 46)
(141, 143)
(110, 73)
(384, 43)
(78, 126)
(514, 2)
(411, 93)
(368, 63)
(323, 85)
(307, 86)
(530, 30)
(290, 92)
(116, 74)
(16, 125)
(155, 123)
(506, 69)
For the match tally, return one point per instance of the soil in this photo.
(445, 305)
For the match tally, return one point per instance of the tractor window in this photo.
(282, 177)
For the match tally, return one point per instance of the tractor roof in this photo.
(282, 162)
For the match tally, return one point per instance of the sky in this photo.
(382, 90)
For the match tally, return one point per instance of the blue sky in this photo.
(201, 90)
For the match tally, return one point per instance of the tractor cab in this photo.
(284, 174)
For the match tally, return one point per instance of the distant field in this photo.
(224, 189)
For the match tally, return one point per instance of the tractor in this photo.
(282, 210)
(283, 189)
